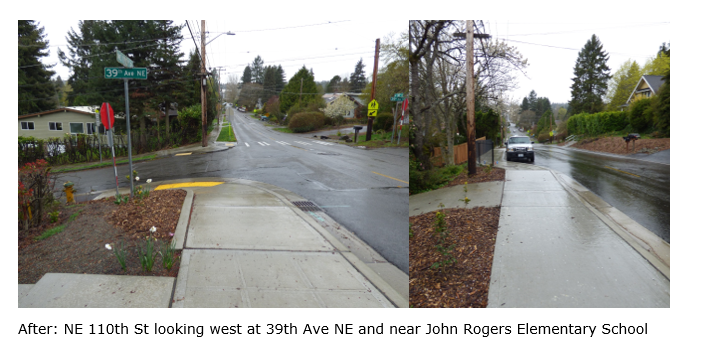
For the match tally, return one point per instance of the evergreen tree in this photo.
(36, 91)
(591, 75)
(93, 47)
(280, 79)
(292, 91)
(269, 81)
(533, 101)
(358, 80)
(525, 105)
(662, 107)
(333, 85)
(258, 70)
(247, 75)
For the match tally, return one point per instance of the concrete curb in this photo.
(653, 248)
(183, 219)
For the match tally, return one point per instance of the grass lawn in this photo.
(379, 140)
(226, 134)
(282, 129)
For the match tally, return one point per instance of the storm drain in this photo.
(307, 206)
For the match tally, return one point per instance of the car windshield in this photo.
(518, 140)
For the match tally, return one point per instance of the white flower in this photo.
(153, 229)
(107, 245)
(136, 178)
(149, 180)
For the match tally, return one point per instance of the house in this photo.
(58, 122)
(647, 86)
(330, 98)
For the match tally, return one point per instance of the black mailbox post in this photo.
(356, 131)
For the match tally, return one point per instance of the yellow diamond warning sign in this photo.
(373, 105)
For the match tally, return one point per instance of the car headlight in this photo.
(529, 148)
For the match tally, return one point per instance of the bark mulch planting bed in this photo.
(617, 145)
(80, 247)
(484, 174)
(464, 283)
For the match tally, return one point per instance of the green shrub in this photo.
(641, 115)
(385, 121)
(306, 122)
(544, 136)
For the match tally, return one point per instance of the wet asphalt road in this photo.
(636, 187)
(366, 191)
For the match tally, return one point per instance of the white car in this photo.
(519, 147)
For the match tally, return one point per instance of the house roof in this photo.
(330, 97)
(653, 82)
(85, 110)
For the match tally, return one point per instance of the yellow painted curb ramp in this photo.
(186, 185)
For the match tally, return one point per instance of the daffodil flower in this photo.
(149, 180)
(107, 245)
(136, 178)
(153, 229)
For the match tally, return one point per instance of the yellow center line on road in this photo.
(184, 185)
(390, 177)
(635, 175)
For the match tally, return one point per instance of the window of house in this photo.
(76, 128)
(27, 125)
(55, 126)
(90, 128)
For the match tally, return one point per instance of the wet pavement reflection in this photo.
(638, 188)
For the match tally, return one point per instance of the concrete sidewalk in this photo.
(244, 244)
(559, 245)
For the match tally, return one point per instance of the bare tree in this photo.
(438, 79)
(232, 90)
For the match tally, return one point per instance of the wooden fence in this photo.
(460, 153)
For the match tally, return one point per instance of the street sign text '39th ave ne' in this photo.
(126, 73)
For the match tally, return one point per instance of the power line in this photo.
(292, 27)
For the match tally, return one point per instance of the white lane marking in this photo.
(245, 143)
(282, 143)
(303, 143)
(319, 142)
(266, 143)
(262, 144)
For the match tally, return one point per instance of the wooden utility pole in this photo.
(203, 93)
(370, 122)
(471, 135)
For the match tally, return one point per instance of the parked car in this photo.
(519, 147)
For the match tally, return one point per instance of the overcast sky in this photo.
(330, 47)
(554, 48)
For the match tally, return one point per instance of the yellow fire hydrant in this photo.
(68, 189)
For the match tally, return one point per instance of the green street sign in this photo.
(125, 73)
(124, 60)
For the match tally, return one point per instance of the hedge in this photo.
(306, 121)
(597, 123)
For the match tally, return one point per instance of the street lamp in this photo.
(203, 97)
(227, 33)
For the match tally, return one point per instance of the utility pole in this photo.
(471, 132)
(203, 94)
(370, 122)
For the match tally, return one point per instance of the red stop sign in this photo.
(107, 116)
